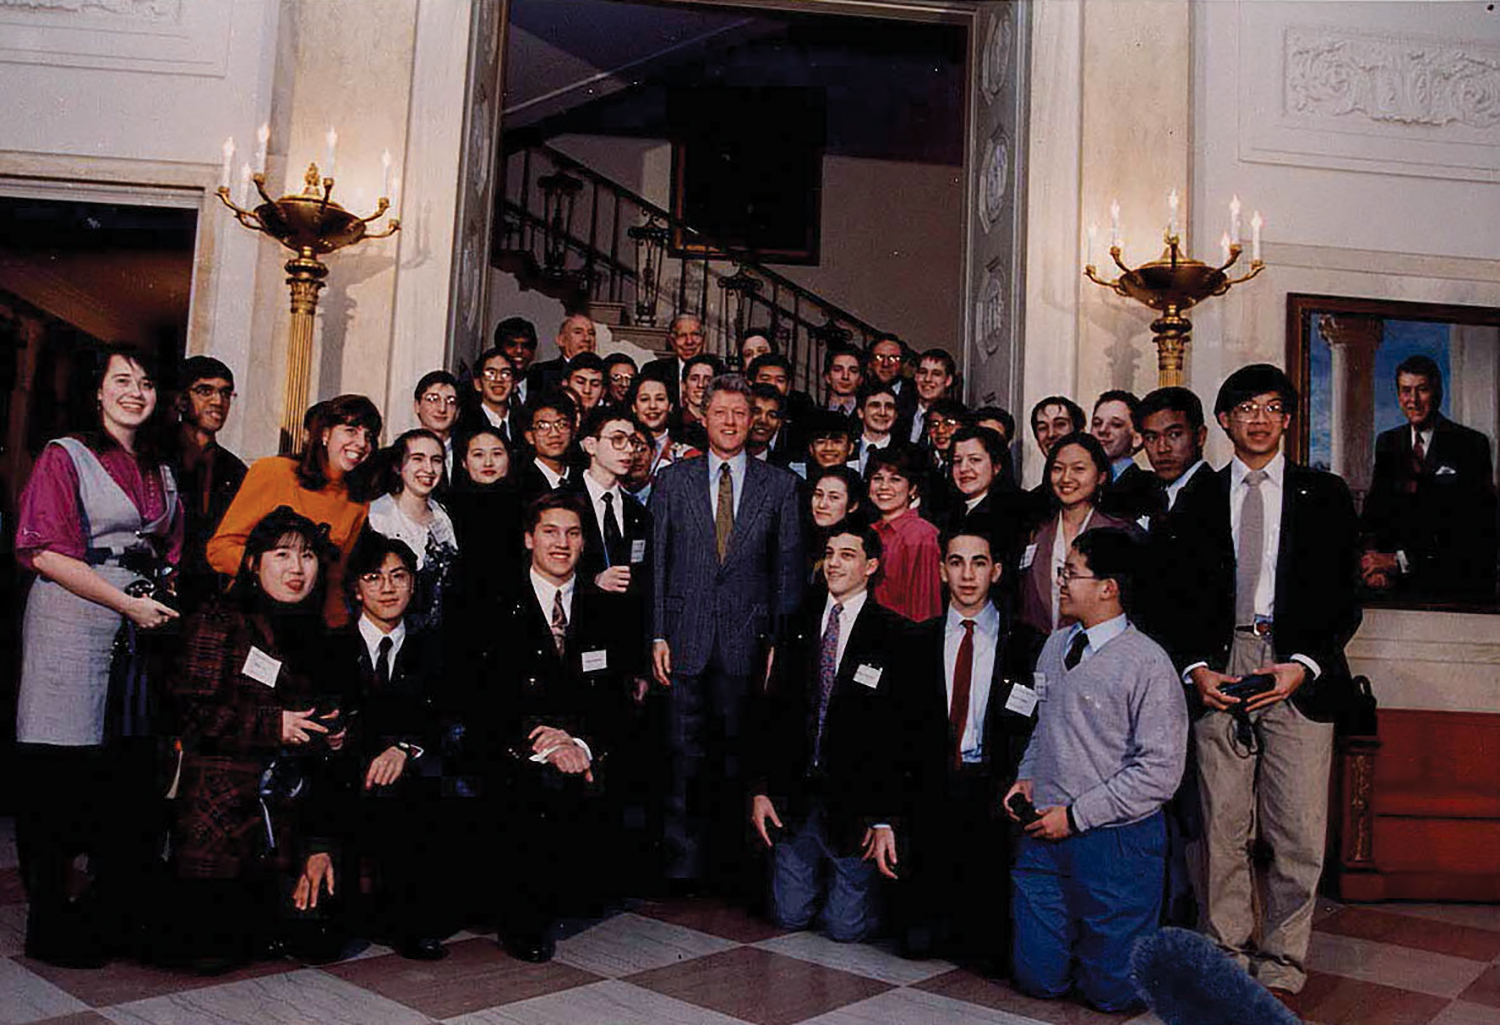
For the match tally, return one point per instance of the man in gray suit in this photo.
(728, 562)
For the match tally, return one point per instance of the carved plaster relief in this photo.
(989, 318)
(996, 62)
(1381, 99)
(1335, 74)
(161, 36)
(993, 180)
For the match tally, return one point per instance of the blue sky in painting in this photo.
(1402, 338)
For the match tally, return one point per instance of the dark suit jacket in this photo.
(1442, 518)
(545, 376)
(1181, 601)
(1317, 605)
(521, 682)
(865, 737)
(701, 606)
(635, 603)
(1002, 515)
(530, 481)
(1130, 496)
(204, 503)
(473, 418)
(1006, 733)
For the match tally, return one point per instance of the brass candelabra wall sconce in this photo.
(1174, 282)
(311, 225)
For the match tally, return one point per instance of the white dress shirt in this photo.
(546, 592)
(597, 492)
(866, 446)
(1177, 485)
(986, 640)
(554, 479)
(736, 476)
(1271, 490)
(372, 635)
(918, 424)
(852, 604)
(496, 420)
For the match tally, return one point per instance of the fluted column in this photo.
(1353, 341)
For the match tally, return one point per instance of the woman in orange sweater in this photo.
(341, 434)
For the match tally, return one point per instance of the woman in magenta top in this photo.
(99, 514)
(908, 582)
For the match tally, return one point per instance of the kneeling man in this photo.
(1107, 753)
(827, 746)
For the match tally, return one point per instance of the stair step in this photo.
(609, 313)
(653, 338)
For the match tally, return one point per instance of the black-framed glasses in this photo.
(208, 391)
(1066, 575)
(622, 442)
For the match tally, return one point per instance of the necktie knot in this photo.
(968, 626)
(385, 646)
(1254, 477)
(1075, 649)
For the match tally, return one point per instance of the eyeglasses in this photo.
(436, 399)
(623, 442)
(551, 426)
(886, 357)
(208, 391)
(1251, 410)
(498, 373)
(1066, 575)
(395, 577)
(945, 422)
(621, 378)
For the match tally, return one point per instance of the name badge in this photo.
(868, 675)
(260, 667)
(1145, 523)
(638, 550)
(1022, 700)
(1027, 556)
(1039, 684)
(593, 661)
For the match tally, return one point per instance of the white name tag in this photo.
(638, 550)
(260, 667)
(1027, 556)
(593, 661)
(868, 675)
(1022, 700)
(1039, 684)
(1145, 522)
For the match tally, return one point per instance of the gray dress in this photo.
(67, 641)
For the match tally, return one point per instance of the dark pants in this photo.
(706, 806)
(551, 850)
(98, 801)
(408, 840)
(955, 890)
(1081, 903)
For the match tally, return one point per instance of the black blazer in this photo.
(531, 482)
(859, 781)
(635, 603)
(1187, 593)
(407, 709)
(1132, 495)
(1004, 516)
(1317, 568)
(1006, 732)
(520, 682)
(545, 376)
(473, 418)
(1443, 518)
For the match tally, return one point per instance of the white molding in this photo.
(164, 37)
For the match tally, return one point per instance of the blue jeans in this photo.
(1081, 903)
(797, 881)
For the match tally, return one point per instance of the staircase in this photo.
(600, 248)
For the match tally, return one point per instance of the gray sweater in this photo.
(1111, 734)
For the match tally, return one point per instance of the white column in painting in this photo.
(1353, 341)
(1473, 370)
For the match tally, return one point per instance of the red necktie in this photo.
(1418, 462)
(963, 672)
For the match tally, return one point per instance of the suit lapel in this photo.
(751, 500)
(1293, 494)
(700, 504)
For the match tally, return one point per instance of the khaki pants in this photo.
(1284, 792)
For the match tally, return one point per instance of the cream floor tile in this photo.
(602, 1003)
(859, 958)
(1461, 1012)
(26, 997)
(295, 998)
(630, 943)
(1476, 916)
(916, 1007)
(1417, 970)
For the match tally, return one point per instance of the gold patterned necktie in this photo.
(559, 622)
(724, 515)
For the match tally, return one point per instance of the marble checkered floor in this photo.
(697, 962)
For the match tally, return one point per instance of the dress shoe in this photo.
(1291, 1001)
(535, 949)
(422, 948)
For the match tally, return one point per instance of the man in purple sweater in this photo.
(1107, 753)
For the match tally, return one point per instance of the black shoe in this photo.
(535, 949)
(422, 948)
(77, 955)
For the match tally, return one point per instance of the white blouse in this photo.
(387, 518)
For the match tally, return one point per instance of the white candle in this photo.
(1172, 204)
(1093, 245)
(1234, 220)
(385, 172)
(244, 183)
(262, 138)
(1224, 245)
(333, 141)
(1255, 226)
(228, 164)
(1114, 224)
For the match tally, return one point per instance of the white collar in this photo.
(553, 478)
(1101, 634)
(851, 604)
(987, 621)
(372, 635)
(1275, 470)
(597, 491)
(1178, 484)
